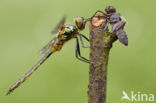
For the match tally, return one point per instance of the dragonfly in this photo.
(116, 22)
(65, 32)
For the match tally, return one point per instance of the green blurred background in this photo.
(25, 27)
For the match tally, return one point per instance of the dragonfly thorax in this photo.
(68, 31)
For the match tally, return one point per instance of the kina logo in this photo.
(137, 97)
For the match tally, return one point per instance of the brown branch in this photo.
(100, 45)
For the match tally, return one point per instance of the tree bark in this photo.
(100, 45)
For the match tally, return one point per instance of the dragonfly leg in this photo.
(97, 12)
(106, 26)
(77, 50)
(106, 17)
(82, 43)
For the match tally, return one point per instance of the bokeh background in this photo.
(25, 27)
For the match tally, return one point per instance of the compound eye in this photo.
(80, 23)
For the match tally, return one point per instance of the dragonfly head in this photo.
(110, 10)
(80, 22)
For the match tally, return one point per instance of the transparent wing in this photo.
(59, 25)
(47, 47)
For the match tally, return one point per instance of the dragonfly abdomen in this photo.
(58, 45)
(28, 74)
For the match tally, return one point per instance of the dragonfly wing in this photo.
(47, 47)
(59, 25)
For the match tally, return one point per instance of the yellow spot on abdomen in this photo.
(53, 49)
(26, 77)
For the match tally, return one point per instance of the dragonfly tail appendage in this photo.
(21, 80)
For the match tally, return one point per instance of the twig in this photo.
(100, 45)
